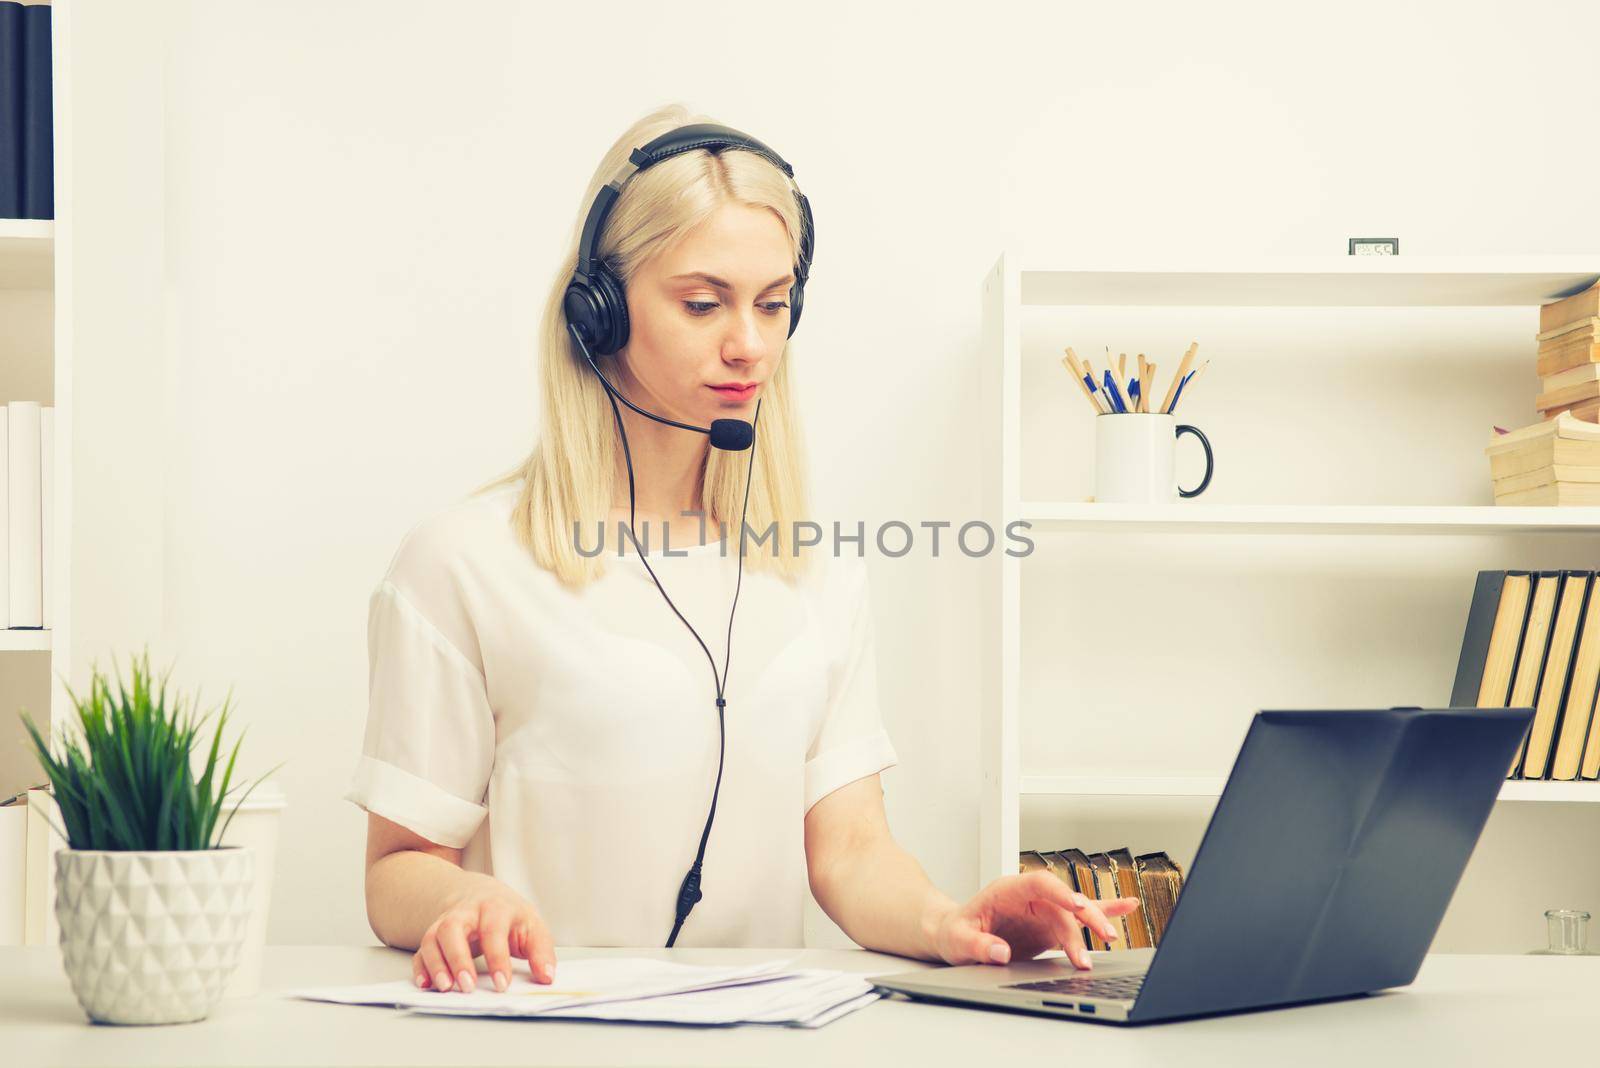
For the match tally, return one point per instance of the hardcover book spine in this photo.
(1475, 643)
(38, 138)
(10, 110)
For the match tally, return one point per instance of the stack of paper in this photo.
(635, 989)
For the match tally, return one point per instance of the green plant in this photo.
(130, 784)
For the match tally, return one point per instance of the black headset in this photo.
(595, 303)
(596, 310)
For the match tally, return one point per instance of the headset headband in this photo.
(702, 135)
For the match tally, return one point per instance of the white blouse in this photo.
(567, 741)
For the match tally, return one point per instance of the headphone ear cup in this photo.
(579, 307)
(609, 289)
(797, 299)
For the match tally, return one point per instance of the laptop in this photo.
(1324, 873)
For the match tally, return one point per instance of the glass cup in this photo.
(1568, 931)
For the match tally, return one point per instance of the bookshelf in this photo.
(1190, 786)
(36, 304)
(1308, 519)
(1030, 312)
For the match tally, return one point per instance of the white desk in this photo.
(1461, 1010)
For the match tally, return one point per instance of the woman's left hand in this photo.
(1020, 916)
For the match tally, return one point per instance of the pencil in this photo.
(1105, 401)
(1072, 365)
(1183, 369)
(1144, 385)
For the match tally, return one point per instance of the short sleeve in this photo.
(430, 736)
(851, 742)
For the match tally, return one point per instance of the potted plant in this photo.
(152, 912)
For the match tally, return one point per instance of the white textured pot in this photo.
(152, 938)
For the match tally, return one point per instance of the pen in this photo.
(1196, 373)
(1114, 393)
(1185, 381)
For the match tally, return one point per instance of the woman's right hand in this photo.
(491, 919)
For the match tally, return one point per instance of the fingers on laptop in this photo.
(1069, 935)
(1091, 915)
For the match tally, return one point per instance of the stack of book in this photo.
(1533, 641)
(1556, 461)
(1153, 878)
(1569, 356)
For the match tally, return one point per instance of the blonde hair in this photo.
(569, 476)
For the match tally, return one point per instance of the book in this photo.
(10, 110)
(1578, 494)
(1545, 476)
(1590, 326)
(1153, 878)
(1586, 411)
(1077, 864)
(1573, 600)
(1494, 634)
(1578, 712)
(1530, 657)
(1568, 340)
(1560, 426)
(1566, 358)
(1567, 396)
(1572, 461)
(25, 551)
(47, 501)
(1587, 372)
(1105, 883)
(1136, 923)
(38, 163)
(1568, 310)
(5, 522)
(13, 870)
(1160, 881)
(1581, 410)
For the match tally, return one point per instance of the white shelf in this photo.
(1192, 518)
(25, 641)
(1015, 287)
(1211, 786)
(1124, 786)
(1327, 281)
(27, 253)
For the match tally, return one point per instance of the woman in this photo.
(526, 674)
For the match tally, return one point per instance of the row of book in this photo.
(27, 504)
(1556, 461)
(27, 167)
(1569, 356)
(1153, 878)
(1533, 640)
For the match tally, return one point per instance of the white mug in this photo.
(1134, 456)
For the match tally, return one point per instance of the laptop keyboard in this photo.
(1118, 987)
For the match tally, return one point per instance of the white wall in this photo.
(365, 202)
